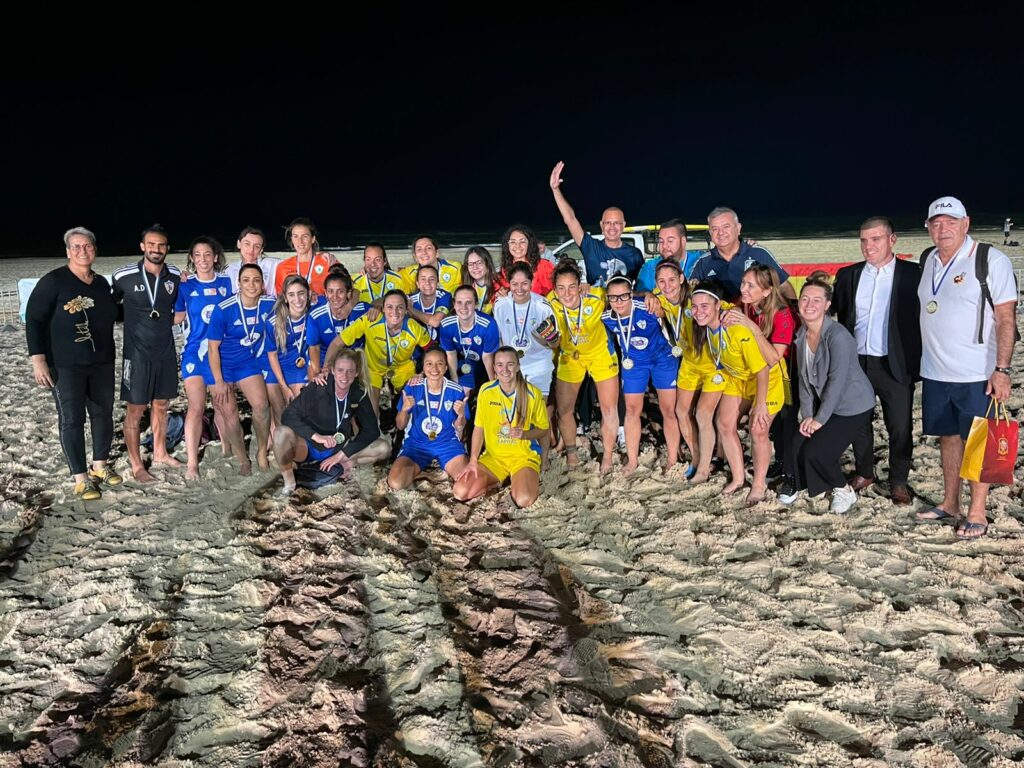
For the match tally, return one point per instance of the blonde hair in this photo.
(356, 356)
(281, 314)
(522, 390)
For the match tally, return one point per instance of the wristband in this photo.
(1006, 371)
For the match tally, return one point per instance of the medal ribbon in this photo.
(509, 414)
(717, 347)
(250, 336)
(522, 337)
(300, 346)
(156, 287)
(340, 413)
(625, 335)
(463, 347)
(579, 323)
(942, 279)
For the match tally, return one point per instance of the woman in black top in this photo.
(69, 325)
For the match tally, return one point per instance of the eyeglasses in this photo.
(474, 263)
(523, 241)
(619, 296)
(78, 248)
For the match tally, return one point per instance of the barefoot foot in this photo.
(141, 475)
(167, 461)
(192, 473)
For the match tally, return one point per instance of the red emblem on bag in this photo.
(1004, 447)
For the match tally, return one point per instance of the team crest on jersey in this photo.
(687, 312)
(222, 291)
(447, 405)
(319, 269)
(477, 340)
(641, 324)
(169, 287)
(959, 278)
(638, 342)
(207, 311)
(190, 367)
(404, 343)
(588, 311)
(748, 264)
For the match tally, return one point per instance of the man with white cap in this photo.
(967, 337)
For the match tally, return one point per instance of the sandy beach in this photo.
(623, 622)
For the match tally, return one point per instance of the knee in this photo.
(524, 498)
(725, 424)
(284, 438)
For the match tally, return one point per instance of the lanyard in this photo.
(346, 321)
(579, 323)
(250, 336)
(300, 345)
(521, 338)
(156, 288)
(625, 335)
(426, 399)
(387, 343)
(716, 347)
(340, 412)
(678, 323)
(509, 413)
(369, 286)
(942, 279)
(463, 346)
(481, 294)
(309, 271)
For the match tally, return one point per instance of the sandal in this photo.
(968, 530)
(934, 515)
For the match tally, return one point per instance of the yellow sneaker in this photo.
(106, 475)
(86, 491)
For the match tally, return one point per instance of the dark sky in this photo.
(437, 124)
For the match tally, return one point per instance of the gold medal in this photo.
(300, 363)
(575, 354)
(390, 373)
(432, 435)
(520, 353)
(932, 307)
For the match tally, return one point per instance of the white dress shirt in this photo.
(874, 292)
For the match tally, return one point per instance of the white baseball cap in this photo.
(947, 206)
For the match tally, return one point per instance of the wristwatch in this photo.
(1007, 371)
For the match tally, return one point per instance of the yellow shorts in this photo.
(693, 377)
(403, 373)
(601, 367)
(503, 470)
(747, 389)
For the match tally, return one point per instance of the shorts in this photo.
(662, 371)
(145, 380)
(504, 469)
(422, 454)
(193, 365)
(292, 374)
(601, 367)
(235, 373)
(317, 452)
(693, 377)
(403, 373)
(746, 389)
(949, 408)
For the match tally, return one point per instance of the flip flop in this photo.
(934, 515)
(967, 527)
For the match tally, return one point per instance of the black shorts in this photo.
(144, 380)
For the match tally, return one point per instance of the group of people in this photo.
(485, 365)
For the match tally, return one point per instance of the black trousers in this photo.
(897, 403)
(817, 457)
(784, 428)
(79, 389)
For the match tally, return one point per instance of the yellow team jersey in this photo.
(583, 333)
(678, 318)
(449, 277)
(484, 298)
(495, 410)
(370, 291)
(740, 357)
(385, 352)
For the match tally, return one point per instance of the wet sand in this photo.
(622, 622)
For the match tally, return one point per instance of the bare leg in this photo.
(484, 482)
(132, 418)
(761, 454)
(525, 487)
(951, 449)
(288, 448)
(565, 401)
(377, 451)
(608, 398)
(255, 391)
(979, 495)
(455, 466)
(195, 389)
(158, 419)
(670, 424)
(634, 405)
(706, 406)
(726, 420)
(231, 433)
(687, 424)
(402, 473)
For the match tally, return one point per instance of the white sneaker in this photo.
(792, 497)
(579, 430)
(287, 490)
(620, 441)
(842, 499)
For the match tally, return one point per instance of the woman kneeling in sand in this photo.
(511, 430)
(432, 415)
(333, 425)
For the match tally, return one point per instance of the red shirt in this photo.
(543, 282)
(315, 272)
(784, 327)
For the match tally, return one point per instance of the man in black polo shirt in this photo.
(149, 376)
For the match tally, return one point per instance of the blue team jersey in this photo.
(729, 274)
(643, 330)
(432, 414)
(483, 337)
(243, 333)
(197, 299)
(442, 303)
(301, 335)
(603, 262)
(328, 326)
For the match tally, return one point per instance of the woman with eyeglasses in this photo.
(646, 357)
(478, 272)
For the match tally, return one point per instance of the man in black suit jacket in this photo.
(877, 302)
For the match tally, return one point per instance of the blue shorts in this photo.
(949, 408)
(662, 371)
(292, 375)
(317, 452)
(192, 365)
(422, 454)
(235, 373)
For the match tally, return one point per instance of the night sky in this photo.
(440, 125)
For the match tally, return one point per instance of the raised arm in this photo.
(568, 214)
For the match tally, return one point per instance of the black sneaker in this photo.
(787, 489)
(774, 470)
